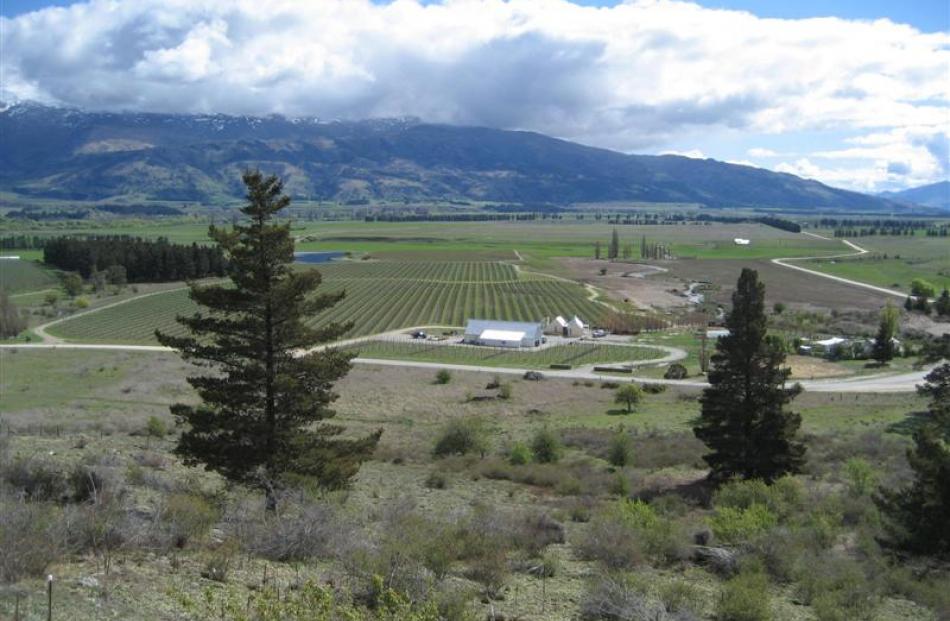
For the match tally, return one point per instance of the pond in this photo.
(318, 257)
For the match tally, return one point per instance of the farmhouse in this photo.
(564, 327)
(502, 333)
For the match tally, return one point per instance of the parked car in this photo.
(598, 333)
(419, 334)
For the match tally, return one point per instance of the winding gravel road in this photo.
(881, 383)
(858, 250)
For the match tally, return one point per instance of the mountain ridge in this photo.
(69, 154)
(935, 195)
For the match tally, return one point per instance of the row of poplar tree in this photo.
(648, 249)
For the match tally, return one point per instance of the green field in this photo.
(380, 296)
(18, 276)
(575, 354)
(537, 241)
(894, 261)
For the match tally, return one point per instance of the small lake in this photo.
(317, 257)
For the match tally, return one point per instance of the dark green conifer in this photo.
(743, 420)
(262, 417)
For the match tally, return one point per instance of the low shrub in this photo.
(782, 498)
(519, 454)
(436, 480)
(30, 539)
(187, 517)
(860, 476)
(35, 479)
(504, 391)
(675, 371)
(443, 376)
(299, 532)
(620, 597)
(836, 588)
(461, 436)
(733, 525)
(546, 446)
(620, 451)
(654, 388)
(745, 598)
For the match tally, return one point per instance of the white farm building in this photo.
(565, 327)
(502, 333)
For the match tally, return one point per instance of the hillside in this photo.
(68, 154)
(932, 195)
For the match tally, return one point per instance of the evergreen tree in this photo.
(918, 514)
(262, 418)
(942, 305)
(597, 250)
(884, 348)
(12, 321)
(613, 251)
(743, 420)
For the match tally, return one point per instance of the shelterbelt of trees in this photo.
(144, 260)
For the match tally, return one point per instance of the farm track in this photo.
(784, 262)
(905, 382)
(49, 338)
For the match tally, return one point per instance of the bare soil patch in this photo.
(792, 288)
(806, 367)
(639, 284)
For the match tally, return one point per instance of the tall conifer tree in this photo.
(261, 420)
(743, 420)
(613, 250)
(919, 514)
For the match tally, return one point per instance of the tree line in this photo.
(144, 260)
(648, 249)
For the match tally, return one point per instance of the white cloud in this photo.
(636, 76)
(693, 153)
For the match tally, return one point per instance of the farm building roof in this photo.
(478, 326)
(503, 335)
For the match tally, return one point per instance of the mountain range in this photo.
(48, 152)
(935, 195)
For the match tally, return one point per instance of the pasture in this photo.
(20, 276)
(574, 354)
(894, 261)
(380, 296)
(538, 241)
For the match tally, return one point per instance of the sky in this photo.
(852, 93)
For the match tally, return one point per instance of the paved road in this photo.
(905, 382)
(858, 250)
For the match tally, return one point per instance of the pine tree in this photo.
(743, 419)
(884, 349)
(597, 250)
(613, 251)
(942, 305)
(917, 516)
(261, 421)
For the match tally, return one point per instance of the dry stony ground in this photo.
(70, 405)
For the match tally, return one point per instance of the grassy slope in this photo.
(103, 396)
(576, 354)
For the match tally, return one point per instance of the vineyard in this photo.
(379, 297)
(574, 354)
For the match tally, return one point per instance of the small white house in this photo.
(564, 327)
(502, 333)
(741, 242)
